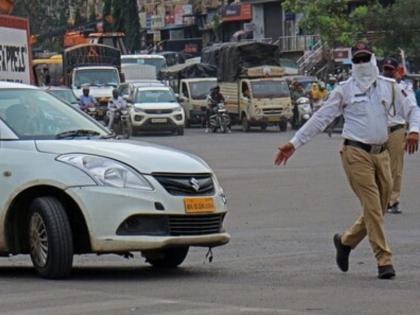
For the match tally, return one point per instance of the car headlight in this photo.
(107, 172)
(178, 110)
(138, 110)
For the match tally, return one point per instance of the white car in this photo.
(68, 187)
(156, 109)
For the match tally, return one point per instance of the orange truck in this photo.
(15, 49)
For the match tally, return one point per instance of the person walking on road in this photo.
(396, 139)
(365, 100)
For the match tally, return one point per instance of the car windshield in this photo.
(35, 114)
(96, 77)
(270, 89)
(155, 96)
(65, 95)
(159, 63)
(200, 90)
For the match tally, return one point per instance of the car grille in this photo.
(186, 185)
(158, 111)
(272, 111)
(172, 225)
(195, 224)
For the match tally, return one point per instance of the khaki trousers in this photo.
(370, 178)
(395, 146)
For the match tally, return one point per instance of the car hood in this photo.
(157, 105)
(147, 158)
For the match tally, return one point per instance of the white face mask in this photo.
(365, 73)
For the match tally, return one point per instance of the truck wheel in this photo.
(50, 238)
(245, 124)
(283, 125)
(166, 258)
(263, 127)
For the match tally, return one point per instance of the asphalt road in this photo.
(280, 259)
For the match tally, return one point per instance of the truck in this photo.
(15, 50)
(192, 83)
(253, 83)
(94, 65)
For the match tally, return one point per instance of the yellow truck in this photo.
(253, 84)
(260, 97)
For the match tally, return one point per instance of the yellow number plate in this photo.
(199, 205)
(273, 119)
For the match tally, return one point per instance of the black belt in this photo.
(369, 148)
(396, 127)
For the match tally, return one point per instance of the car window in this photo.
(65, 95)
(35, 114)
(155, 96)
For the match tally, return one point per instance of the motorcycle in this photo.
(304, 111)
(91, 111)
(219, 119)
(121, 124)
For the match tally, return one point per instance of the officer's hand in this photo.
(412, 142)
(285, 152)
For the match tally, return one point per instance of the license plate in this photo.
(159, 120)
(273, 119)
(199, 205)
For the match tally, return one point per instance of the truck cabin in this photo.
(264, 89)
(95, 76)
(48, 71)
(197, 89)
(92, 64)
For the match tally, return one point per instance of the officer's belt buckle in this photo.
(376, 148)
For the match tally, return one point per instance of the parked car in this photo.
(69, 187)
(156, 109)
(64, 93)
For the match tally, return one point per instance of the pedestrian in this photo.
(364, 100)
(396, 139)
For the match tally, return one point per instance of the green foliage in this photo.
(132, 25)
(388, 28)
(106, 14)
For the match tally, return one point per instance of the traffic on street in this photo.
(209, 157)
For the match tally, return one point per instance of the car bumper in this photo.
(140, 121)
(107, 210)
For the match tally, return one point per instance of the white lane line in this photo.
(84, 308)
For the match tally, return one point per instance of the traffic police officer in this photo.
(396, 139)
(365, 100)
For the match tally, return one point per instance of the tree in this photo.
(388, 25)
(106, 16)
(132, 25)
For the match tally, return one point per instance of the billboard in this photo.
(14, 50)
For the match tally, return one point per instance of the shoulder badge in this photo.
(387, 79)
(404, 93)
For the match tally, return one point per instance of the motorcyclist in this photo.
(215, 97)
(86, 100)
(296, 91)
(114, 104)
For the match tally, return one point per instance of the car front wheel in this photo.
(50, 238)
(166, 258)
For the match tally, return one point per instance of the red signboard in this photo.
(237, 12)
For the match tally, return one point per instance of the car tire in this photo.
(50, 238)
(283, 125)
(166, 258)
(245, 124)
(263, 127)
(180, 131)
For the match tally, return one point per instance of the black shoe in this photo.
(395, 209)
(343, 253)
(386, 272)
